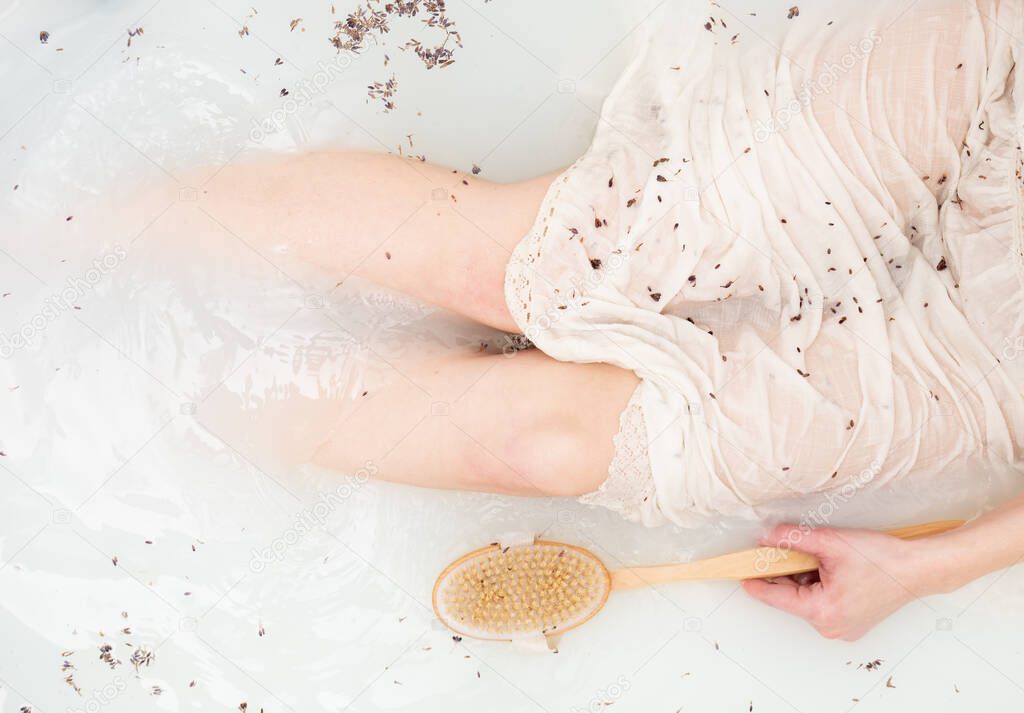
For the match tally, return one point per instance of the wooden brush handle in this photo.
(757, 563)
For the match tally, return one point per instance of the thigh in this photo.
(440, 235)
(520, 425)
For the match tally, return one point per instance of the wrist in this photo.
(940, 564)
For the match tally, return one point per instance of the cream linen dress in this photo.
(810, 254)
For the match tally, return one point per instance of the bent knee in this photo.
(551, 461)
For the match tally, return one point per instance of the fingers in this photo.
(786, 595)
(784, 579)
(818, 542)
(800, 594)
(802, 579)
(806, 579)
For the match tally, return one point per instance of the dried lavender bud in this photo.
(370, 22)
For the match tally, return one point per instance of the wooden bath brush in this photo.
(544, 588)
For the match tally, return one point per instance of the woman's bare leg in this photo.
(525, 424)
(519, 425)
(434, 233)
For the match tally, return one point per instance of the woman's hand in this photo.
(864, 577)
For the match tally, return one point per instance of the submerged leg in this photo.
(520, 425)
(431, 232)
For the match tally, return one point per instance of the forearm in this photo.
(992, 542)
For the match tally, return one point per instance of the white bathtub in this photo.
(155, 415)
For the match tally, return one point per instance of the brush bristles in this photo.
(522, 591)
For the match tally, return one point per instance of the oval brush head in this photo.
(521, 591)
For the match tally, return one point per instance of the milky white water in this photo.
(167, 388)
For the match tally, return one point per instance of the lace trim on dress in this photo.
(517, 281)
(630, 483)
(522, 265)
